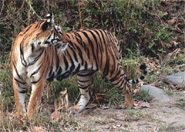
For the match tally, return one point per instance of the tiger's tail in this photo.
(134, 81)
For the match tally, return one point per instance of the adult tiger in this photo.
(31, 59)
(37, 57)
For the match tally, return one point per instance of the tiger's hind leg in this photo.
(116, 75)
(128, 96)
(85, 80)
(125, 87)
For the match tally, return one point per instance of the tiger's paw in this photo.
(18, 115)
(19, 118)
(126, 105)
(75, 109)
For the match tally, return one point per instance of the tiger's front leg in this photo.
(20, 90)
(84, 82)
(36, 93)
(84, 99)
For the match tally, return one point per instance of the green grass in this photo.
(181, 103)
(134, 115)
(143, 95)
(167, 127)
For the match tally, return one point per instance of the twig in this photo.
(35, 12)
(21, 8)
(2, 7)
(80, 16)
(31, 8)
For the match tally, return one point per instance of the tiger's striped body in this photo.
(87, 50)
(62, 55)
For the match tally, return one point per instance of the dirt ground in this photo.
(159, 117)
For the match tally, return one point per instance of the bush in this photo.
(151, 26)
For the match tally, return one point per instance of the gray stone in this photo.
(155, 92)
(176, 79)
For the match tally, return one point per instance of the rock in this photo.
(176, 79)
(155, 92)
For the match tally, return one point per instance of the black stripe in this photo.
(145, 72)
(72, 45)
(142, 77)
(51, 77)
(71, 61)
(120, 79)
(62, 76)
(66, 63)
(74, 54)
(81, 41)
(85, 74)
(100, 45)
(37, 58)
(34, 82)
(22, 91)
(17, 71)
(97, 48)
(88, 53)
(50, 72)
(80, 53)
(67, 35)
(77, 69)
(26, 30)
(84, 87)
(59, 71)
(121, 86)
(103, 38)
(32, 47)
(57, 59)
(19, 81)
(86, 66)
(38, 25)
(92, 47)
(22, 54)
(115, 77)
(106, 68)
(84, 81)
(36, 71)
(94, 36)
(47, 42)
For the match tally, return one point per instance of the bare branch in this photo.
(2, 7)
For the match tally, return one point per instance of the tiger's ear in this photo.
(49, 21)
(61, 34)
(50, 16)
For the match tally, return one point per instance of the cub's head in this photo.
(40, 34)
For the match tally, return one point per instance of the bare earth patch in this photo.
(158, 117)
(161, 116)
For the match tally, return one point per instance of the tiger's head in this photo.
(41, 34)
